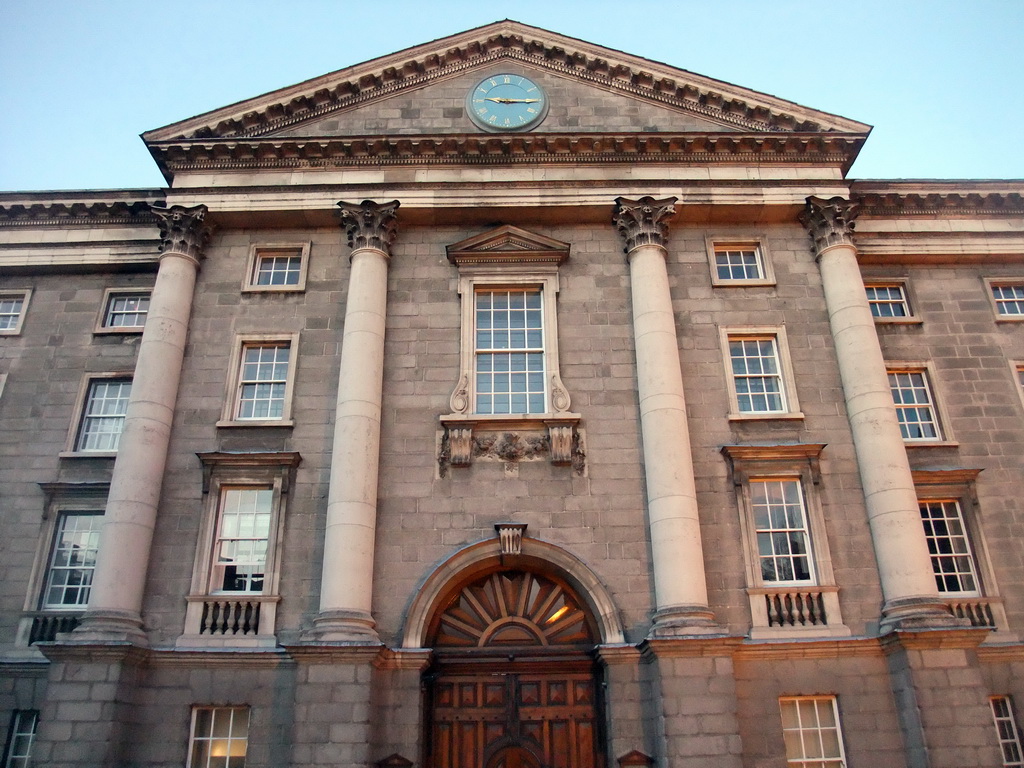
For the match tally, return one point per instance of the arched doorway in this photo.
(513, 683)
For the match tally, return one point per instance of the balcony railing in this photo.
(793, 611)
(46, 626)
(795, 608)
(978, 610)
(238, 616)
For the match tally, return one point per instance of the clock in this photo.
(506, 103)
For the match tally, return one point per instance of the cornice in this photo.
(77, 213)
(381, 78)
(964, 202)
(533, 149)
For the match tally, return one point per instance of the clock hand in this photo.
(511, 101)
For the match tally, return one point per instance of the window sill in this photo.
(232, 424)
(791, 416)
(931, 443)
(898, 321)
(761, 283)
(274, 289)
(460, 446)
(87, 455)
(132, 331)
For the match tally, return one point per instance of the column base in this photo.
(102, 626)
(911, 613)
(684, 621)
(354, 627)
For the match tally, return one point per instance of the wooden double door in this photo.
(507, 717)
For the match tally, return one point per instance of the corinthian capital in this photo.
(182, 230)
(370, 224)
(643, 221)
(829, 222)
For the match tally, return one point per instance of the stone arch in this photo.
(536, 555)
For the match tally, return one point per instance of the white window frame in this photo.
(232, 399)
(222, 473)
(905, 300)
(260, 251)
(73, 448)
(195, 739)
(19, 319)
(821, 704)
(1004, 716)
(755, 486)
(716, 244)
(787, 387)
(106, 308)
(939, 420)
(992, 284)
(21, 736)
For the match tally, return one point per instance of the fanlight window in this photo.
(513, 608)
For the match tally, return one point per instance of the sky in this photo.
(940, 81)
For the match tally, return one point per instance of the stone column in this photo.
(904, 566)
(679, 586)
(346, 583)
(115, 604)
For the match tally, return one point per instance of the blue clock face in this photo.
(506, 103)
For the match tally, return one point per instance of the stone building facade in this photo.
(512, 401)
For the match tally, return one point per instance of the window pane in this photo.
(10, 311)
(106, 405)
(73, 560)
(945, 533)
(263, 381)
(756, 375)
(514, 346)
(781, 525)
(219, 737)
(127, 310)
(242, 540)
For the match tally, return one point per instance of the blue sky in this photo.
(79, 81)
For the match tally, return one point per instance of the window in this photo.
(888, 301)
(738, 262)
(260, 391)
(12, 311)
(915, 408)
(510, 352)
(219, 738)
(1007, 731)
(236, 575)
(950, 547)
(102, 415)
(1016, 367)
(243, 530)
(124, 311)
(72, 561)
(780, 522)
(790, 581)
(20, 738)
(810, 727)
(759, 374)
(508, 284)
(1008, 299)
(277, 267)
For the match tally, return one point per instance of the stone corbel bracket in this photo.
(511, 439)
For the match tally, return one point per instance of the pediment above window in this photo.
(507, 245)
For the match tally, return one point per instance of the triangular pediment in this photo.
(369, 98)
(508, 244)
